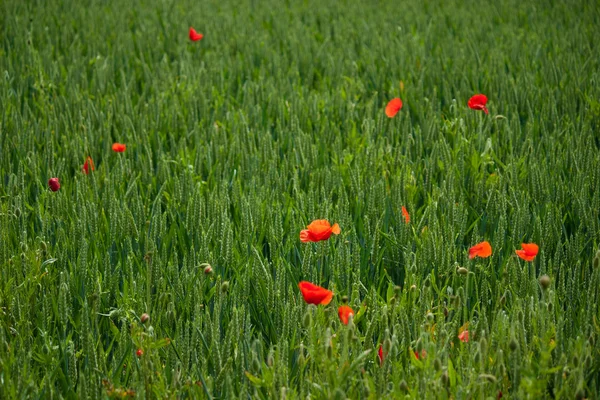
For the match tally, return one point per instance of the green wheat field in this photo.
(274, 119)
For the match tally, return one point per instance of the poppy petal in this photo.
(393, 107)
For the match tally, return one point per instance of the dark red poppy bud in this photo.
(145, 318)
(139, 352)
(54, 184)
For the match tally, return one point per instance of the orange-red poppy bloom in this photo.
(406, 215)
(87, 165)
(119, 147)
(380, 355)
(478, 102)
(195, 36)
(54, 184)
(393, 107)
(314, 294)
(344, 312)
(464, 336)
(318, 230)
(529, 251)
(482, 250)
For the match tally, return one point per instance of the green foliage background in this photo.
(235, 143)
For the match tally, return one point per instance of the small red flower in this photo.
(529, 251)
(380, 355)
(478, 102)
(422, 356)
(483, 250)
(314, 294)
(195, 36)
(119, 147)
(87, 165)
(393, 107)
(54, 184)
(318, 230)
(464, 336)
(344, 312)
(406, 215)
(139, 352)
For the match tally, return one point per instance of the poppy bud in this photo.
(145, 318)
(575, 360)
(550, 307)
(403, 385)
(54, 184)
(139, 352)
(445, 310)
(208, 270)
(255, 364)
(580, 394)
(545, 281)
(437, 364)
(43, 246)
(271, 358)
(445, 378)
(502, 300)
(344, 299)
(387, 346)
(591, 339)
(427, 282)
(225, 286)
(413, 288)
(502, 369)
(462, 270)
(307, 319)
(596, 261)
(430, 317)
(17, 212)
(588, 362)
(23, 247)
(23, 256)
(397, 290)
(513, 344)
(477, 357)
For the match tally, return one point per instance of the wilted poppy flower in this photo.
(380, 355)
(406, 215)
(87, 165)
(464, 336)
(344, 312)
(314, 294)
(478, 102)
(54, 184)
(119, 147)
(393, 107)
(482, 250)
(529, 251)
(195, 36)
(318, 230)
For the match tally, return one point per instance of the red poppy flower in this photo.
(422, 356)
(478, 102)
(464, 336)
(54, 184)
(195, 36)
(119, 147)
(344, 312)
(529, 251)
(406, 215)
(393, 107)
(318, 230)
(482, 250)
(380, 355)
(314, 294)
(87, 165)
(139, 352)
